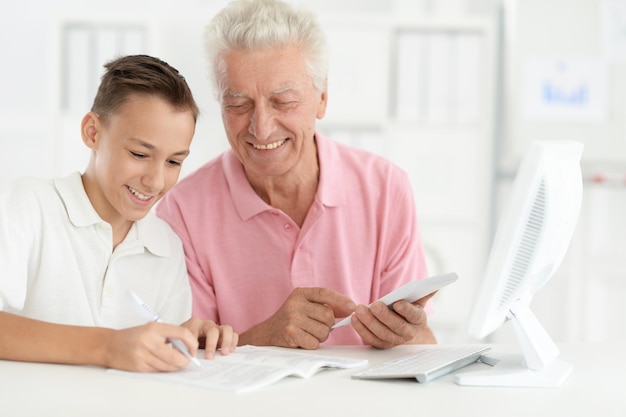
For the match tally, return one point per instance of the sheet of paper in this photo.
(566, 89)
(249, 368)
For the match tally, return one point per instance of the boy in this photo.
(72, 249)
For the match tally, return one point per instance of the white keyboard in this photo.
(426, 363)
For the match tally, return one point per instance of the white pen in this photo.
(152, 315)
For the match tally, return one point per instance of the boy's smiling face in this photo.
(136, 158)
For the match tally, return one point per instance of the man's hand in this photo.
(382, 327)
(304, 320)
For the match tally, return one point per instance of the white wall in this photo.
(31, 50)
(31, 116)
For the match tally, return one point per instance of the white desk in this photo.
(597, 387)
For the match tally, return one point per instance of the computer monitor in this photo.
(532, 238)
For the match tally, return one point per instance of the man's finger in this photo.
(341, 304)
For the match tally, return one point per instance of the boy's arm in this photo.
(143, 348)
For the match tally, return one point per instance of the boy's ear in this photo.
(89, 128)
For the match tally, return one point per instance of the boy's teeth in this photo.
(138, 194)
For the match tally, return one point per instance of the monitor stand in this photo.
(539, 364)
(511, 371)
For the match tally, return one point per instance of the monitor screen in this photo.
(532, 238)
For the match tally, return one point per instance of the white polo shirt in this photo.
(57, 262)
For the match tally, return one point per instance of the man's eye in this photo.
(284, 104)
(238, 108)
(137, 155)
(174, 163)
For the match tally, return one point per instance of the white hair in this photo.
(246, 25)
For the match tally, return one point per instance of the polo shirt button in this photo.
(109, 292)
(287, 226)
(275, 213)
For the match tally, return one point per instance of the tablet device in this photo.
(411, 291)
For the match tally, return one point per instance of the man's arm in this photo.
(382, 327)
(404, 260)
(304, 320)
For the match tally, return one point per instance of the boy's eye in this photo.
(137, 155)
(174, 163)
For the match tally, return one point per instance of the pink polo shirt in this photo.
(245, 257)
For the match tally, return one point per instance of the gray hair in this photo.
(246, 25)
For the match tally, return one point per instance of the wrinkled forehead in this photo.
(267, 71)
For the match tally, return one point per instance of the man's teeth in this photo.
(138, 194)
(273, 145)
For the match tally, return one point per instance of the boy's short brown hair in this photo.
(141, 74)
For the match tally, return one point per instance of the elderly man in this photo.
(287, 230)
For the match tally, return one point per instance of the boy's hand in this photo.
(146, 349)
(213, 335)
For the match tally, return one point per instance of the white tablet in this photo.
(412, 291)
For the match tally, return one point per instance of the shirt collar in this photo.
(79, 209)
(331, 190)
(148, 232)
(151, 232)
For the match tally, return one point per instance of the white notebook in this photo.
(249, 368)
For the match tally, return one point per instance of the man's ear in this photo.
(321, 107)
(90, 129)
